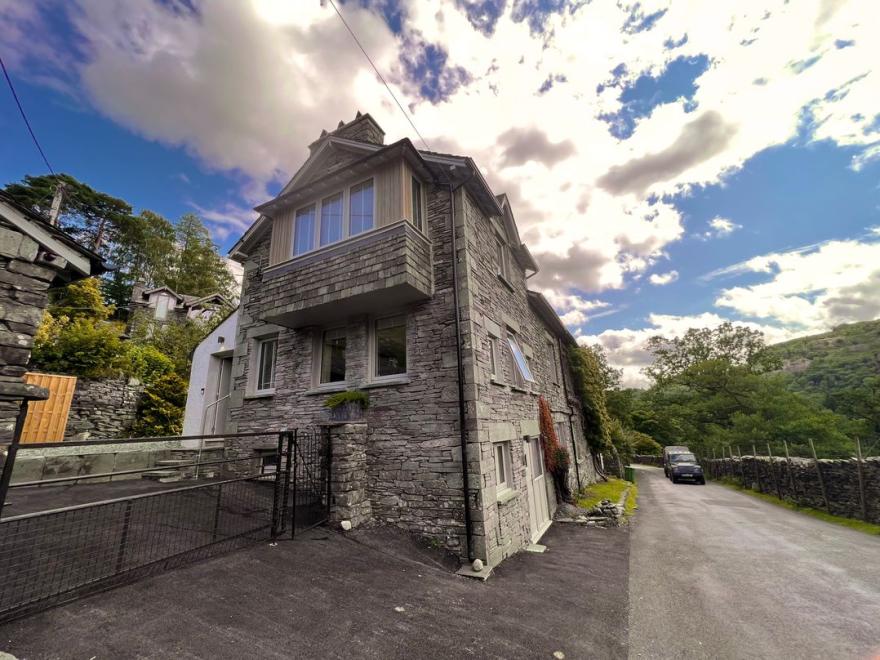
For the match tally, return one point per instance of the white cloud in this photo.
(661, 279)
(246, 86)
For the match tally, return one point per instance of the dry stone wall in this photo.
(798, 481)
(103, 408)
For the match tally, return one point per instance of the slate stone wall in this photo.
(103, 408)
(798, 481)
(24, 286)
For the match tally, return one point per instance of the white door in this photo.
(539, 507)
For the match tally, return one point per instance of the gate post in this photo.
(276, 490)
(11, 452)
(294, 448)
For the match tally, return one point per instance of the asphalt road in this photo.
(719, 574)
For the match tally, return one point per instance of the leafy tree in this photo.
(79, 347)
(199, 270)
(727, 345)
(94, 218)
(611, 377)
(161, 407)
(174, 340)
(81, 299)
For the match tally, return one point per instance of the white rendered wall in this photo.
(199, 372)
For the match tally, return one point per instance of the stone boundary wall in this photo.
(104, 408)
(798, 481)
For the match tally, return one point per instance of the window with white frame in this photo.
(331, 219)
(163, 304)
(304, 230)
(266, 350)
(332, 356)
(519, 367)
(502, 259)
(417, 214)
(503, 467)
(389, 347)
(361, 208)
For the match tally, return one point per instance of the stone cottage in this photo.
(162, 305)
(398, 272)
(35, 256)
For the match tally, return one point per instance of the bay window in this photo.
(361, 208)
(304, 230)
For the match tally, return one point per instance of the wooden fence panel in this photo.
(46, 420)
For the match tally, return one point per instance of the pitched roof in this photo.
(81, 262)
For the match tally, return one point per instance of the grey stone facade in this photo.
(402, 465)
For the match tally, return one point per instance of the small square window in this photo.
(333, 356)
(503, 467)
(266, 355)
(390, 346)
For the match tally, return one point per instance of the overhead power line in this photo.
(381, 77)
(24, 116)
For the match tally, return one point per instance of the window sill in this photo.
(514, 388)
(260, 395)
(329, 388)
(402, 380)
(505, 281)
(499, 383)
(506, 495)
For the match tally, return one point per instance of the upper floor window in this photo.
(331, 219)
(267, 350)
(333, 356)
(502, 259)
(304, 230)
(417, 217)
(361, 208)
(390, 346)
(522, 374)
(554, 357)
(163, 304)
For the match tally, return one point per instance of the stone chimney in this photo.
(363, 128)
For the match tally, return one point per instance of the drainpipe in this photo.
(462, 413)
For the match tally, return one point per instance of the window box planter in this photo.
(347, 406)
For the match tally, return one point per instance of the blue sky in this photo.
(669, 167)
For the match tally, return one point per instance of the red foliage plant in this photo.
(555, 455)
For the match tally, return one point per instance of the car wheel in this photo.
(674, 480)
(702, 481)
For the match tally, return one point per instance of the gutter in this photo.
(462, 412)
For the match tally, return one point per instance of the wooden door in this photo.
(47, 420)
(536, 486)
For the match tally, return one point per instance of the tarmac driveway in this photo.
(374, 594)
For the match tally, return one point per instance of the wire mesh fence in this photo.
(271, 483)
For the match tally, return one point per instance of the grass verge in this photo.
(608, 490)
(852, 523)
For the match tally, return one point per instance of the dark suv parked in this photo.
(684, 467)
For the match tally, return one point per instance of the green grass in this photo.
(608, 490)
(858, 525)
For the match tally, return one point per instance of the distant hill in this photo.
(841, 368)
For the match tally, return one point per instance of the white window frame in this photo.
(315, 206)
(522, 375)
(502, 257)
(320, 218)
(374, 349)
(422, 206)
(503, 472)
(319, 359)
(494, 361)
(318, 204)
(259, 343)
(554, 356)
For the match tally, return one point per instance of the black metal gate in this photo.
(48, 557)
(302, 494)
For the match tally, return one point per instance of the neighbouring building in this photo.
(399, 272)
(35, 256)
(161, 305)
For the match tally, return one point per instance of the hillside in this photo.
(841, 368)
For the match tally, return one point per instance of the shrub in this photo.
(81, 347)
(144, 362)
(349, 396)
(556, 457)
(161, 408)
